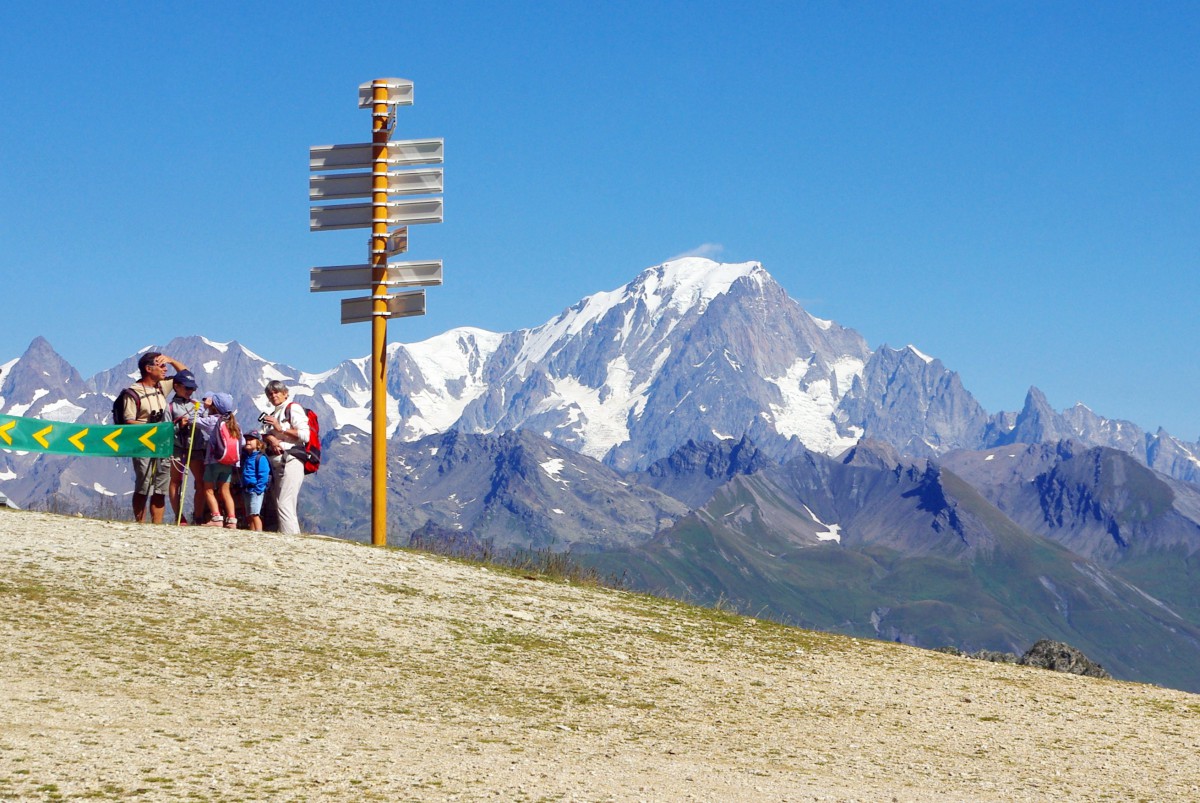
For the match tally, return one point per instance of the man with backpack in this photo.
(145, 402)
(286, 434)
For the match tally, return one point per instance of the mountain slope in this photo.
(695, 470)
(912, 401)
(908, 552)
(1103, 505)
(515, 490)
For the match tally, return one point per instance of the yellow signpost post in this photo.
(388, 221)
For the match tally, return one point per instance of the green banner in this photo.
(96, 440)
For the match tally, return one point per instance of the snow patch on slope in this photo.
(21, 409)
(451, 365)
(820, 322)
(62, 410)
(600, 416)
(344, 416)
(833, 532)
(807, 411)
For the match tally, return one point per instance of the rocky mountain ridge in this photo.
(689, 350)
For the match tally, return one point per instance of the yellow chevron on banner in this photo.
(76, 440)
(57, 437)
(40, 436)
(148, 439)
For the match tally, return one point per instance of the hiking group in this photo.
(235, 473)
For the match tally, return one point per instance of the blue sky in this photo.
(1011, 187)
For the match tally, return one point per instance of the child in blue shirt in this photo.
(256, 475)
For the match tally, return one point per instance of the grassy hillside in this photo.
(197, 664)
(1016, 590)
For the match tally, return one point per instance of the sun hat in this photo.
(222, 403)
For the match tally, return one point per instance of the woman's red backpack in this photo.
(309, 452)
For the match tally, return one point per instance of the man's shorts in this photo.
(151, 475)
(215, 473)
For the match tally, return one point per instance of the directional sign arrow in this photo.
(401, 305)
(111, 439)
(362, 155)
(399, 92)
(40, 436)
(147, 440)
(77, 439)
(361, 277)
(361, 216)
(342, 186)
(4, 429)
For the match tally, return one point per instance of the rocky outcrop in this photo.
(1061, 657)
(1044, 654)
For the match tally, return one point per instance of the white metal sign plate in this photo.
(360, 277)
(400, 305)
(361, 155)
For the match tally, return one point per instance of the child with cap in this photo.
(256, 474)
(189, 446)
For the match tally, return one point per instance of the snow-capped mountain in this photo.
(690, 350)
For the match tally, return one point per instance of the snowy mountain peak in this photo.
(221, 347)
(670, 290)
(458, 354)
(691, 282)
(923, 356)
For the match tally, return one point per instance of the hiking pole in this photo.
(187, 467)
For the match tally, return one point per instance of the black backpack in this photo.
(118, 407)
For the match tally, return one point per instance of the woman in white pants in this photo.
(283, 430)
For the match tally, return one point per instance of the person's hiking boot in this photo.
(230, 524)
(215, 521)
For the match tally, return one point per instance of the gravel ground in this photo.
(202, 664)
